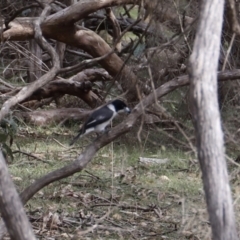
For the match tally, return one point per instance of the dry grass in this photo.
(116, 197)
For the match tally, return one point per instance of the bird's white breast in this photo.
(112, 108)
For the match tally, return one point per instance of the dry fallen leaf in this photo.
(164, 178)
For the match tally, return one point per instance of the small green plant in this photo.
(8, 129)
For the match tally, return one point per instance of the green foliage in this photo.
(8, 129)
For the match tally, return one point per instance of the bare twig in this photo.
(55, 140)
(234, 17)
(30, 155)
(116, 28)
(228, 52)
(28, 90)
(6, 84)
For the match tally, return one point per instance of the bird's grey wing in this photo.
(98, 117)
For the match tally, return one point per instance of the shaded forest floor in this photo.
(116, 196)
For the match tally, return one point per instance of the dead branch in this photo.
(81, 54)
(93, 22)
(27, 91)
(233, 17)
(6, 84)
(116, 28)
(79, 85)
(30, 155)
(62, 30)
(81, 10)
(58, 88)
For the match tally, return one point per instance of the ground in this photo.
(116, 196)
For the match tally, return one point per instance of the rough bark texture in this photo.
(11, 207)
(203, 82)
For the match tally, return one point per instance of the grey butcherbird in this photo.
(101, 118)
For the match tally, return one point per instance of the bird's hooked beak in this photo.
(127, 110)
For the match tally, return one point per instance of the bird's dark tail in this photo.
(80, 134)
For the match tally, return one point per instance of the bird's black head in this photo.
(120, 106)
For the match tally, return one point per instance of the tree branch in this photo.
(233, 17)
(80, 10)
(28, 90)
(116, 28)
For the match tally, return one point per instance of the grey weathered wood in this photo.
(35, 55)
(60, 49)
(210, 144)
(35, 61)
(11, 207)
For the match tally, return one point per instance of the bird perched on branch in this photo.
(101, 118)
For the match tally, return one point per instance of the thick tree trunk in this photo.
(11, 207)
(203, 80)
